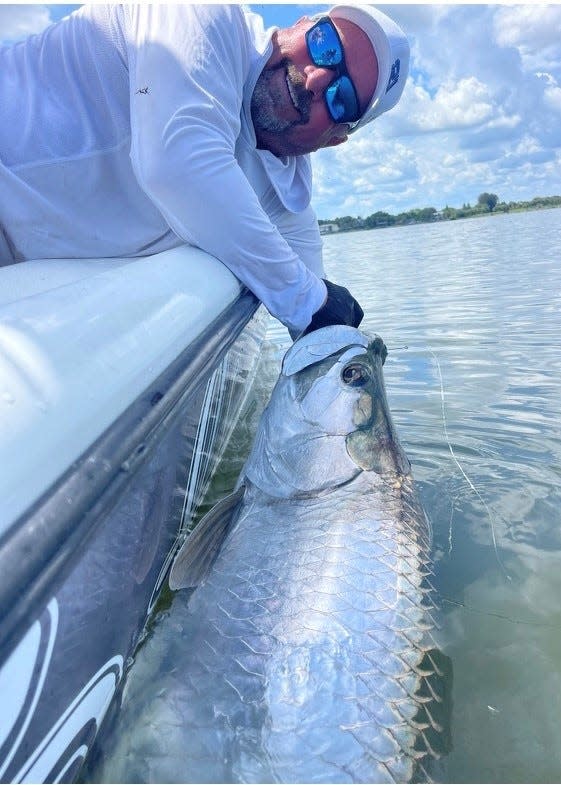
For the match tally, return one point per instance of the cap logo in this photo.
(394, 75)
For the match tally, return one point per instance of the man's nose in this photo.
(317, 79)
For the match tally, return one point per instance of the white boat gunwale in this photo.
(40, 549)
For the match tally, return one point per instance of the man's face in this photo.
(288, 107)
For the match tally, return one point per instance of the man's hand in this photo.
(339, 308)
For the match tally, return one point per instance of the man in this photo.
(128, 130)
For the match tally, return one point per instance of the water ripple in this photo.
(476, 398)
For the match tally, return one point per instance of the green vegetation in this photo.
(486, 203)
(488, 200)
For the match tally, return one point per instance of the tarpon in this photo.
(305, 652)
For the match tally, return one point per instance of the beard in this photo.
(267, 96)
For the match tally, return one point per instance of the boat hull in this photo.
(82, 565)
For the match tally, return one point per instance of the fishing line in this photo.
(456, 461)
(496, 615)
(452, 511)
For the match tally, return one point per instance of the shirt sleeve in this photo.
(187, 69)
(301, 232)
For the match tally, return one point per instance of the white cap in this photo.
(392, 52)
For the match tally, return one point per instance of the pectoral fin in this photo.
(199, 551)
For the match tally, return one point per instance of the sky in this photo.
(481, 110)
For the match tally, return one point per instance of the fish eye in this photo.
(355, 375)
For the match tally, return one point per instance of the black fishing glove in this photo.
(339, 308)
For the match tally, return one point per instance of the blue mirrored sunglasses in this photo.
(326, 50)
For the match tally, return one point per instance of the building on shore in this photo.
(328, 228)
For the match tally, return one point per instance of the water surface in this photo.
(476, 397)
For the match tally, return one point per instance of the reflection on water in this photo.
(471, 313)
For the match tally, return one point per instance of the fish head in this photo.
(328, 419)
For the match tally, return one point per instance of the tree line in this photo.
(486, 203)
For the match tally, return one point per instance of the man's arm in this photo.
(184, 130)
(301, 231)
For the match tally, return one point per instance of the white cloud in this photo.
(455, 105)
(480, 112)
(19, 21)
(532, 29)
(552, 98)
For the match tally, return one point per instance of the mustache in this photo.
(301, 97)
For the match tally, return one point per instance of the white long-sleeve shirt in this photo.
(126, 130)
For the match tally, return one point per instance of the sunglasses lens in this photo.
(324, 45)
(342, 101)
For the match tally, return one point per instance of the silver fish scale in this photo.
(309, 669)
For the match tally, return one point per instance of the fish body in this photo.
(303, 655)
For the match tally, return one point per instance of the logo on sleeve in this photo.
(394, 76)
